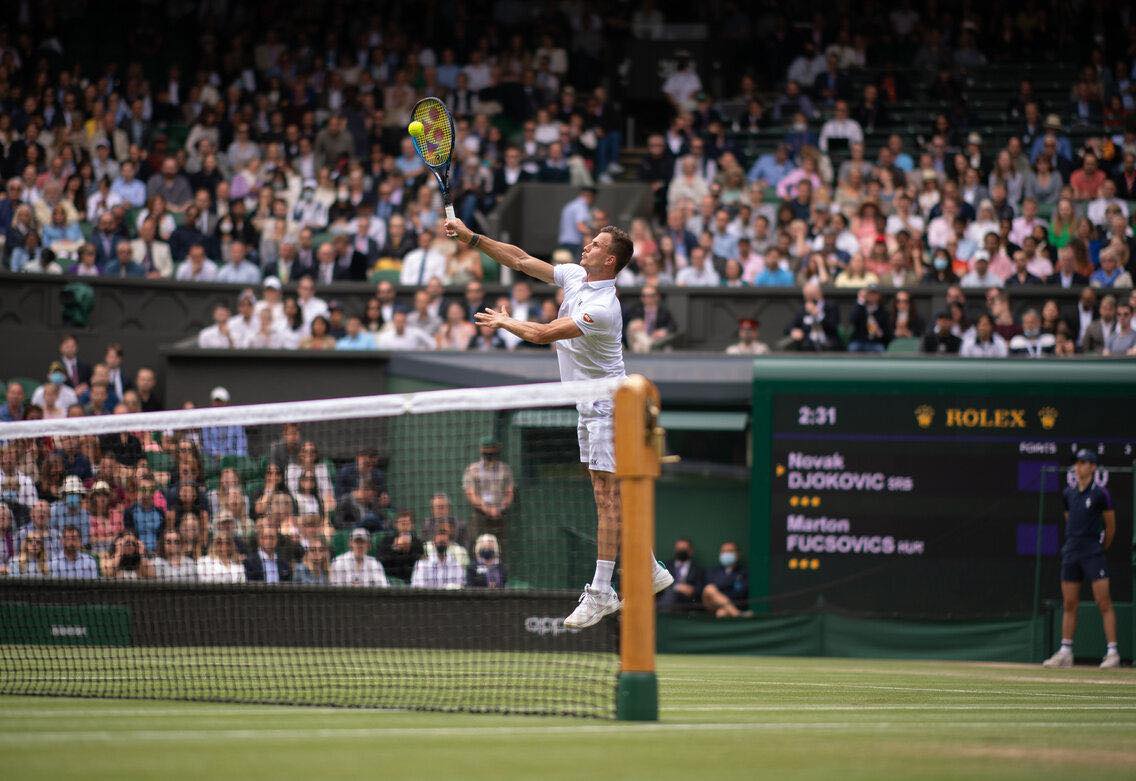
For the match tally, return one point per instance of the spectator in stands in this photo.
(401, 549)
(8, 544)
(1111, 273)
(1065, 274)
(197, 267)
(69, 511)
(32, 560)
(871, 323)
(356, 338)
(1087, 180)
(401, 336)
(841, 127)
(748, 343)
(1100, 330)
(15, 404)
(1123, 340)
(1032, 342)
(984, 341)
(266, 563)
(773, 273)
(171, 563)
(456, 332)
(127, 559)
(143, 518)
(906, 322)
(123, 265)
(218, 441)
(151, 253)
(771, 167)
(315, 568)
(217, 336)
(488, 487)
(238, 271)
(423, 263)
(688, 579)
(487, 571)
(356, 567)
(222, 564)
(941, 340)
(439, 567)
(73, 563)
(700, 272)
(726, 592)
(815, 326)
(980, 274)
(17, 489)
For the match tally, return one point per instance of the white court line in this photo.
(612, 730)
(903, 707)
(1122, 677)
(190, 709)
(874, 686)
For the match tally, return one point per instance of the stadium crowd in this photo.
(276, 159)
(198, 506)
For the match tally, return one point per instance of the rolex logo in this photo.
(924, 415)
(1048, 417)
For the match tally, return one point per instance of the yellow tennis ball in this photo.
(416, 129)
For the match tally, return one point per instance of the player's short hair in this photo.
(621, 246)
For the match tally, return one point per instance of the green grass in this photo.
(722, 718)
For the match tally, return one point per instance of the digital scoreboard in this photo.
(886, 496)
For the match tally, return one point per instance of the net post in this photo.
(637, 465)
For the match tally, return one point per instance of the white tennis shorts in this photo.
(597, 437)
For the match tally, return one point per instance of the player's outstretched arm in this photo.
(505, 254)
(536, 333)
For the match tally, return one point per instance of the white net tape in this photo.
(551, 394)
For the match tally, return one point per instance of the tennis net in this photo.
(415, 551)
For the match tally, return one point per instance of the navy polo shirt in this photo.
(1086, 518)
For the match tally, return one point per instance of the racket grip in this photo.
(450, 211)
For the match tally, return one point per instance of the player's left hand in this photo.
(492, 317)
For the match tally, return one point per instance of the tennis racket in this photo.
(434, 143)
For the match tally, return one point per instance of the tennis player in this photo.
(589, 345)
(1090, 525)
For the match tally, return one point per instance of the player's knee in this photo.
(1104, 602)
(1071, 604)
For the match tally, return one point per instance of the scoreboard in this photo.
(917, 495)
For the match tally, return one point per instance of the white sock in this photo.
(604, 570)
(1066, 644)
(1112, 648)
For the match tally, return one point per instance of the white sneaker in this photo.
(663, 579)
(594, 605)
(1062, 658)
(1111, 659)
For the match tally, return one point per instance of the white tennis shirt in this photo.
(594, 307)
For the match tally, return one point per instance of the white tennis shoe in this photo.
(1111, 659)
(594, 605)
(662, 579)
(1062, 658)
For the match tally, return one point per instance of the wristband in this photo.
(474, 239)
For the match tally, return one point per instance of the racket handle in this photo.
(450, 211)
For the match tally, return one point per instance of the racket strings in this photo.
(437, 140)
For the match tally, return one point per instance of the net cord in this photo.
(550, 394)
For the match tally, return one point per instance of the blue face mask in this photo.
(73, 500)
(728, 559)
(940, 263)
(57, 377)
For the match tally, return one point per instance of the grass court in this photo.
(721, 718)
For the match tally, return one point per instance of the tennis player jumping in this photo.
(588, 332)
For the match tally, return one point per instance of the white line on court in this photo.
(612, 730)
(1121, 677)
(901, 707)
(875, 686)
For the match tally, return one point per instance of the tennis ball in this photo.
(416, 129)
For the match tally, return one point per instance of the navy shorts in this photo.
(1077, 567)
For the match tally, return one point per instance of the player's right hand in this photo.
(456, 229)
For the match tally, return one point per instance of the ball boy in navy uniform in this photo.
(1090, 524)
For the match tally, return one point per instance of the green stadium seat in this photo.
(904, 344)
(384, 275)
(160, 462)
